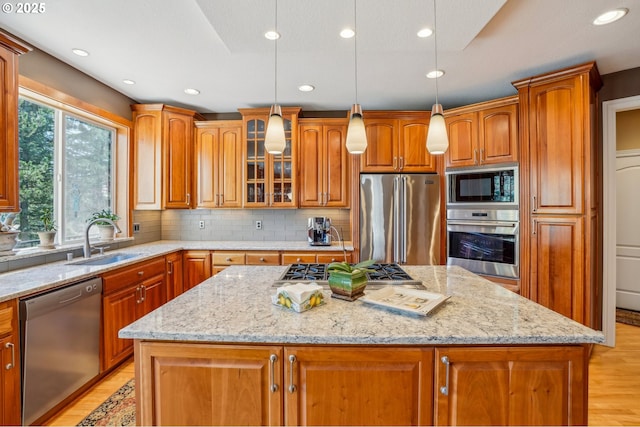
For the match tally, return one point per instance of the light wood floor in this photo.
(614, 384)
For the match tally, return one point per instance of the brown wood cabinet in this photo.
(175, 275)
(128, 294)
(397, 142)
(10, 49)
(220, 385)
(359, 385)
(324, 163)
(560, 218)
(511, 386)
(163, 151)
(262, 258)
(356, 386)
(482, 134)
(270, 181)
(219, 154)
(197, 268)
(311, 386)
(312, 257)
(10, 398)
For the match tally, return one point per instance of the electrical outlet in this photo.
(201, 224)
(258, 225)
(136, 227)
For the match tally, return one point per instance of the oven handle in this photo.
(484, 223)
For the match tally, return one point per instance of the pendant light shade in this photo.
(356, 134)
(437, 138)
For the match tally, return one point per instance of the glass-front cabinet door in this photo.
(270, 181)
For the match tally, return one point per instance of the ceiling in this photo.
(219, 48)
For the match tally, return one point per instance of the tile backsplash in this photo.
(238, 225)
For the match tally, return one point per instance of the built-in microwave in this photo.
(493, 186)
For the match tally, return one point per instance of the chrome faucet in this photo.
(87, 246)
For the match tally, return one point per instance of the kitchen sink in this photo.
(106, 259)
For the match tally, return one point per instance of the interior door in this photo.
(627, 230)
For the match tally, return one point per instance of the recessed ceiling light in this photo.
(425, 32)
(306, 88)
(272, 35)
(80, 52)
(128, 82)
(347, 33)
(610, 16)
(435, 74)
(191, 91)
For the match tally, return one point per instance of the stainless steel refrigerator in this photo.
(400, 218)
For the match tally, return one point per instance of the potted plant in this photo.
(47, 234)
(106, 230)
(348, 281)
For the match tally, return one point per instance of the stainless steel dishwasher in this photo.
(60, 333)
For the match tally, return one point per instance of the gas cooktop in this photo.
(384, 274)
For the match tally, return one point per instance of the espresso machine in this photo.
(319, 230)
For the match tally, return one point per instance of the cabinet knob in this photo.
(228, 259)
(140, 273)
(298, 259)
(261, 259)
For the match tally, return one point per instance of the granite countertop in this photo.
(235, 307)
(19, 283)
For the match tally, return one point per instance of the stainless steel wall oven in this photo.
(484, 241)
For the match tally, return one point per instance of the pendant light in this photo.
(274, 139)
(437, 139)
(356, 134)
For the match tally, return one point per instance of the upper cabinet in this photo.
(482, 134)
(324, 171)
(10, 49)
(163, 149)
(270, 181)
(219, 154)
(397, 142)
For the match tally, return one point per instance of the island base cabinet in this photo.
(207, 384)
(511, 386)
(202, 384)
(356, 386)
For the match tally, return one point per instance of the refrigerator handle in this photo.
(403, 219)
(396, 217)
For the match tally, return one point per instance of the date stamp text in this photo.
(24, 8)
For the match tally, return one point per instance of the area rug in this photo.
(627, 316)
(118, 410)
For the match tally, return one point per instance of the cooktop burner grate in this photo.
(384, 274)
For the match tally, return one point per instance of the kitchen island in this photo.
(222, 354)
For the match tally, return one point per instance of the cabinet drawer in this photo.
(263, 258)
(128, 275)
(332, 257)
(6, 318)
(228, 258)
(294, 258)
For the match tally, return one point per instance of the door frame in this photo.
(609, 111)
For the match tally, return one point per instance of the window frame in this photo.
(67, 106)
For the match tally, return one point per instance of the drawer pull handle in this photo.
(273, 359)
(228, 259)
(292, 361)
(140, 273)
(298, 260)
(13, 355)
(261, 259)
(445, 388)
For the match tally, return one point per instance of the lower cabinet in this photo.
(175, 276)
(128, 294)
(9, 364)
(208, 384)
(511, 386)
(274, 385)
(197, 268)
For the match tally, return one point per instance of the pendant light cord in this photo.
(355, 45)
(275, 71)
(435, 43)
